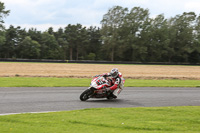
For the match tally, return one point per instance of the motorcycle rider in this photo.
(116, 79)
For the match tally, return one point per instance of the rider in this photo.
(115, 81)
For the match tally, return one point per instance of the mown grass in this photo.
(43, 82)
(162, 83)
(112, 120)
(84, 82)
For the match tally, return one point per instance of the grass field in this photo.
(112, 120)
(116, 120)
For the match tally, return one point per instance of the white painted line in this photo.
(28, 112)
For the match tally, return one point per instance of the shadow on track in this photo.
(114, 101)
(105, 100)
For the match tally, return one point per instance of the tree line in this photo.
(125, 35)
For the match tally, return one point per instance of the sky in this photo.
(42, 14)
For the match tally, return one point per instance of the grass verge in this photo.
(116, 120)
(84, 82)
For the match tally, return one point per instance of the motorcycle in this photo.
(93, 92)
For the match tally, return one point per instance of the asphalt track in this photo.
(42, 99)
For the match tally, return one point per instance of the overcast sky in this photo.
(42, 14)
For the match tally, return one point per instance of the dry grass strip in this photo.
(89, 70)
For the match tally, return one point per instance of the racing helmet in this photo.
(114, 72)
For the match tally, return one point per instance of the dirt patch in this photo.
(89, 70)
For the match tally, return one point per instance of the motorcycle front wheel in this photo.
(85, 95)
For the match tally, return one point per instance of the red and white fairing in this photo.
(100, 82)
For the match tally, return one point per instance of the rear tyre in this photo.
(85, 95)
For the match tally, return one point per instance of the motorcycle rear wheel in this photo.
(85, 95)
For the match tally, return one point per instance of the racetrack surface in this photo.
(42, 99)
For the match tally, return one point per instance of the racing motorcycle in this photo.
(93, 92)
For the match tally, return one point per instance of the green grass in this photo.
(42, 82)
(108, 120)
(163, 83)
(84, 82)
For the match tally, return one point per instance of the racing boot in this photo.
(110, 94)
(113, 96)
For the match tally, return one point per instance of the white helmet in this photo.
(114, 72)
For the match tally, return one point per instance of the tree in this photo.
(13, 36)
(82, 36)
(50, 31)
(3, 14)
(2, 43)
(70, 35)
(35, 35)
(158, 41)
(76, 36)
(136, 28)
(49, 47)
(111, 23)
(29, 48)
(62, 42)
(194, 56)
(182, 39)
(91, 56)
(94, 43)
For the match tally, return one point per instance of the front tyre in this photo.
(85, 95)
